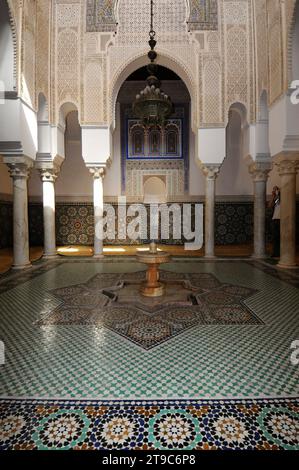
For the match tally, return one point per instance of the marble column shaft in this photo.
(211, 172)
(98, 203)
(260, 173)
(287, 170)
(20, 173)
(48, 177)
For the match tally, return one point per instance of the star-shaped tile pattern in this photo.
(113, 301)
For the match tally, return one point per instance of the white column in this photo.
(48, 177)
(98, 204)
(20, 173)
(287, 170)
(260, 173)
(211, 172)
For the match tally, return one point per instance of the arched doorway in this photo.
(141, 152)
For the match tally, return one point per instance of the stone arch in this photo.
(8, 62)
(64, 110)
(140, 60)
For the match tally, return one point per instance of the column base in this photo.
(99, 256)
(46, 256)
(254, 256)
(210, 257)
(19, 267)
(286, 266)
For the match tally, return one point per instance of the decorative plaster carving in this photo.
(43, 26)
(212, 92)
(93, 91)
(275, 50)
(28, 56)
(87, 68)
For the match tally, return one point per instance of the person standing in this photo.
(275, 205)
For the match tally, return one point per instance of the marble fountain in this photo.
(152, 287)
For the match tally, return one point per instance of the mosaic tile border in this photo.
(259, 424)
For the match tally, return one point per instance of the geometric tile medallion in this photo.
(139, 425)
(113, 301)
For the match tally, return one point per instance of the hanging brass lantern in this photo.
(152, 106)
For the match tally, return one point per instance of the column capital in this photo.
(48, 174)
(287, 163)
(19, 167)
(259, 171)
(211, 170)
(97, 171)
(287, 167)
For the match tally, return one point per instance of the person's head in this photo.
(276, 189)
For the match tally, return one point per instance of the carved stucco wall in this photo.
(242, 51)
(43, 50)
(28, 56)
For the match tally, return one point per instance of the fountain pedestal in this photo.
(153, 258)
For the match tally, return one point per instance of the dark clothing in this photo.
(276, 238)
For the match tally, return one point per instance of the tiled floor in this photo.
(247, 364)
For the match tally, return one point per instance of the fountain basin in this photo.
(153, 258)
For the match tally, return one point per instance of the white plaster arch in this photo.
(64, 109)
(242, 112)
(238, 106)
(140, 60)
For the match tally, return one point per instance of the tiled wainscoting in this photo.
(74, 224)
